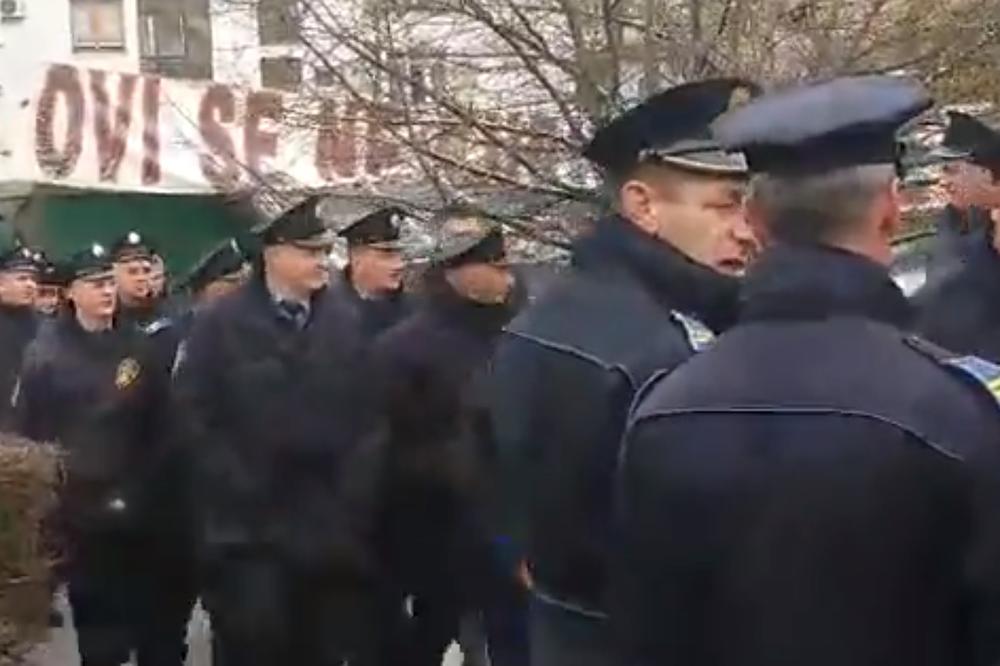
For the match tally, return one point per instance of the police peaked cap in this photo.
(52, 273)
(131, 246)
(467, 239)
(845, 122)
(300, 225)
(380, 228)
(94, 260)
(19, 258)
(673, 127)
(968, 138)
(225, 259)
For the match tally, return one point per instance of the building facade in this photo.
(165, 37)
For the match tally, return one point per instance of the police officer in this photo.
(223, 270)
(648, 287)
(133, 260)
(157, 277)
(51, 281)
(818, 487)
(372, 281)
(958, 310)
(433, 532)
(970, 152)
(271, 381)
(91, 387)
(18, 323)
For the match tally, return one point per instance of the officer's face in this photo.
(377, 269)
(157, 278)
(967, 184)
(18, 288)
(94, 297)
(134, 280)
(304, 269)
(700, 215)
(489, 284)
(224, 286)
(48, 299)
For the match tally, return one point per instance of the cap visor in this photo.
(325, 240)
(94, 275)
(709, 161)
(946, 154)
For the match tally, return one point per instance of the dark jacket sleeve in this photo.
(32, 417)
(223, 484)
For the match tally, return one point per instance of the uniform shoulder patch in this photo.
(157, 325)
(126, 374)
(699, 336)
(983, 372)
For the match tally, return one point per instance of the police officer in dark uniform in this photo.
(372, 281)
(18, 322)
(92, 388)
(51, 287)
(434, 366)
(818, 487)
(959, 311)
(223, 270)
(133, 260)
(272, 385)
(970, 150)
(648, 287)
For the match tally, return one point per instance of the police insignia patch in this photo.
(128, 371)
(984, 372)
(698, 335)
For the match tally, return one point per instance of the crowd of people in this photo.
(723, 436)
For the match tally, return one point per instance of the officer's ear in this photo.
(636, 202)
(890, 204)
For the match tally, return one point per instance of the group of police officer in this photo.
(719, 439)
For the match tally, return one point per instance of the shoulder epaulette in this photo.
(983, 372)
(157, 325)
(699, 336)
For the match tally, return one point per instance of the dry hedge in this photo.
(29, 476)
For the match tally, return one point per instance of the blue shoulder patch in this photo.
(699, 336)
(983, 372)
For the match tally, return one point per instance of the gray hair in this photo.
(820, 207)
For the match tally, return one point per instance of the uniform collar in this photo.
(618, 247)
(812, 282)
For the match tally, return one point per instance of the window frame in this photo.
(83, 45)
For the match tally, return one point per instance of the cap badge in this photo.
(738, 97)
(97, 250)
(128, 371)
(133, 238)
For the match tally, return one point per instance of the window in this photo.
(324, 77)
(162, 34)
(97, 24)
(277, 22)
(418, 84)
(281, 73)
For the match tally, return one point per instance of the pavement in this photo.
(60, 650)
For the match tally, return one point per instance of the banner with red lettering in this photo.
(93, 129)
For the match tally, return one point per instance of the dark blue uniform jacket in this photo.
(565, 375)
(962, 312)
(102, 397)
(815, 488)
(275, 414)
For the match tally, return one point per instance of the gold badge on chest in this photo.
(128, 371)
